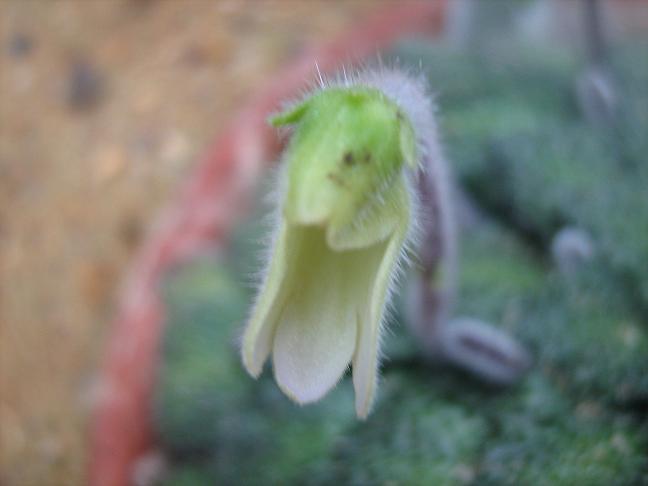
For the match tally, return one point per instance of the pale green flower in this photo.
(345, 213)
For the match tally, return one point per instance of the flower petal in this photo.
(316, 335)
(257, 340)
(365, 358)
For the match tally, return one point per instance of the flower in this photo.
(344, 218)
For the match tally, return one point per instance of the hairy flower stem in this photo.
(475, 346)
(434, 285)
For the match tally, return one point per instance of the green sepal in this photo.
(290, 115)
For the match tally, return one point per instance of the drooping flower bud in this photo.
(345, 214)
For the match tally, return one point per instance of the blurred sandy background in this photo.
(104, 106)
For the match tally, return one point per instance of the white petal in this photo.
(316, 335)
(257, 340)
(365, 359)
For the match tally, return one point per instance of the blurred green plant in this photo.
(531, 165)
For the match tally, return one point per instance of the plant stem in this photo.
(468, 343)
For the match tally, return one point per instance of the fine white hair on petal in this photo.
(271, 224)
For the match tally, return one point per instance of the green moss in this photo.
(588, 333)
(271, 438)
(542, 439)
(205, 307)
(565, 176)
(497, 273)
(424, 439)
(583, 328)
